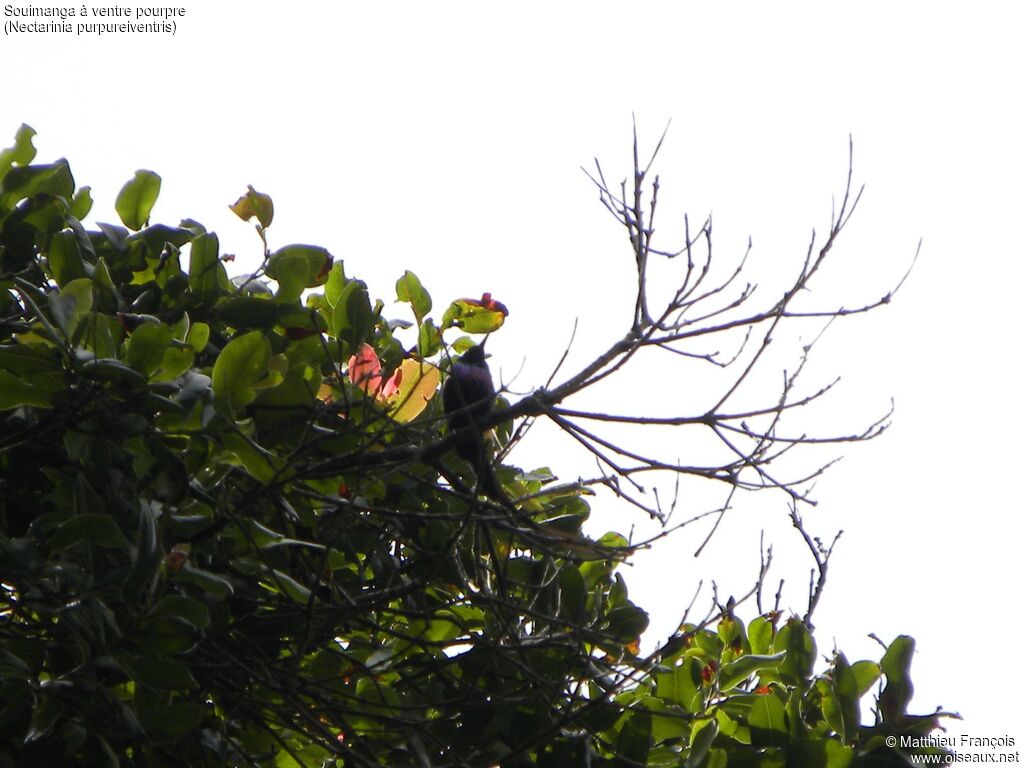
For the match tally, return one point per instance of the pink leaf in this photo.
(364, 369)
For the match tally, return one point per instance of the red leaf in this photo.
(364, 369)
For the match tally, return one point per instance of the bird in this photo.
(468, 398)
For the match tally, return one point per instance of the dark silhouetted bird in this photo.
(468, 397)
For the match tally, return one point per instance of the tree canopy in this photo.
(233, 530)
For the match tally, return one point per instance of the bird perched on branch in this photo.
(468, 397)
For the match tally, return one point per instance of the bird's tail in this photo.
(492, 488)
(473, 451)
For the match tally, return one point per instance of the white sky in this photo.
(446, 138)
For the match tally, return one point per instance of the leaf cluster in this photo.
(232, 533)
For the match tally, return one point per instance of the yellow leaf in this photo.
(411, 388)
(254, 204)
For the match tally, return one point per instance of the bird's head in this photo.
(474, 356)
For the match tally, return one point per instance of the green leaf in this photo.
(866, 674)
(157, 237)
(428, 340)
(760, 633)
(283, 583)
(683, 685)
(114, 371)
(634, 743)
(136, 198)
(573, 593)
(254, 203)
(732, 633)
(352, 317)
(701, 738)
(103, 279)
(146, 347)
(300, 323)
(81, 203)
(241, 364)
(249, 312)
(336, 282)
(71, 304)
(65, 258)
(767, 720)
(824, 753)
(165, 633)
(287, 402)
(198, 336)
(116, 237)
(297, 267)
(210, 582)
(837, 755)
(26, 181)
(626, 624)
(668, 721)
(12, 667)
(411, 290)
(147, 556)
(85, 499)
(732, 674)
(29, 375)
(206, 276)
(98, 529)
(44, 716)
(731, 727)
(442, 627)
(801, 651)
(898, 688)
(22, 153)
(175, 361)
(159, 672)
(474, 316)
(613, 540)
(259, 462)
(185, 608)
(841, 702)
(109, 757)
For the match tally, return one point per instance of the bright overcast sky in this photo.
(446, 138)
